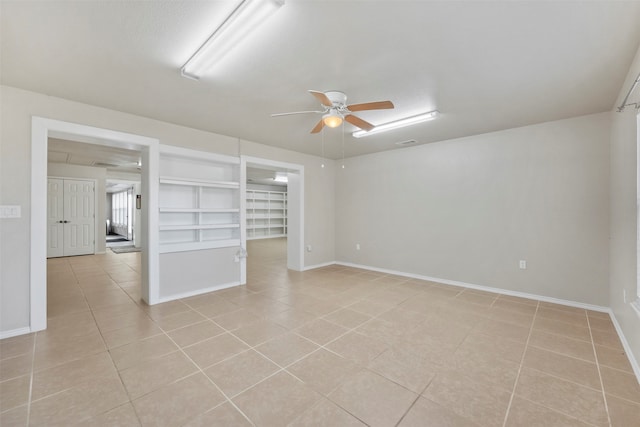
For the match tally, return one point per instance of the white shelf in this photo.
(199, 210)
(198, 213)
(197, 246)
(198, 182)
(263, 208)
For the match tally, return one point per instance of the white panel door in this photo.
(79, 226)
(55, 218)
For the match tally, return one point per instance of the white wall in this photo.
(623, 261)
(17, 107)
(469, 209)
(61, 170)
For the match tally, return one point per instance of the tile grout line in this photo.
(595, 354)
(33, 362)
(524, 353)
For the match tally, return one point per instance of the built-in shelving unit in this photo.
(266, 214)
(198, 213)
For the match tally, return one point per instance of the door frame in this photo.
(95, 204)
(295, 228)
(41, 130)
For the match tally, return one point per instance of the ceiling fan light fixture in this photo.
(244, 19)
(333, 120)
(407, 121)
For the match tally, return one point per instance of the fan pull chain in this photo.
(343, 144)
(322, 166)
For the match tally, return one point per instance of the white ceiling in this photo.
(484, 65)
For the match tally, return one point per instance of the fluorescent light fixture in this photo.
(248, 15)
(408, 121)
(281, 177)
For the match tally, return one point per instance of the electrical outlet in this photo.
(523, 264)
(308, 248)
(357, 246)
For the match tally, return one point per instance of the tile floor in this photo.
(334, 346)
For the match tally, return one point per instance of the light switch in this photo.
(10, 211)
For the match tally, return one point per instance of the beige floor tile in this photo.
(425, 412)
(613, 358)
(602, 323)
(152, 374)
(292, 318)
(326, 413)
(484, 403)
(82, 401)
(179, 320)
(620, 384)
(373, 399)
(179, 402)
(524, 413)
(567, 397)
(495, 346)
(236, 319)
(195, 333)
(15, 366)
(358, 348)
(15, 417)
(54, 380)
(577, 319)
(69, 325)
(323, 371)
(484, 367)
(258, 332)
(552, 326)
(61, 349)
(566, 367)
(214, 350)
(225, 415)
(498, 328)
(320, 331)
(128, 318)
(509, 316)
(276, 401)
(14, 392)
(130, 334)
(287, 348)
(141, 351)
(165, 309)
(16, 346)
(561, 344)
(124, 416)
(407, 369)
(606, 338)
(477, 298)
(347, 318)
(241, 372)
(371, 308)
(623, 413)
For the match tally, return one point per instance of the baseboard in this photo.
(625, 344)
(483, 288)
(324, 264)
(196, 292)
(14, 333)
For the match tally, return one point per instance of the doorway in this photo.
(292, 208)
(41, 130)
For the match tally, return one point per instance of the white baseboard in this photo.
(324, 264)
(484, 288)
(627, 348)
(196, 292)
(15, 332)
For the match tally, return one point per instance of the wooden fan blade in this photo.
(320, 96)
(380, 105)
(318, 127)
(358, 122)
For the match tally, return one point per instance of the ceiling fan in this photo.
(336, 110)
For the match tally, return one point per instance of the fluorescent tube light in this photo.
(408, 121)
(245, 18)
(281, 177)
